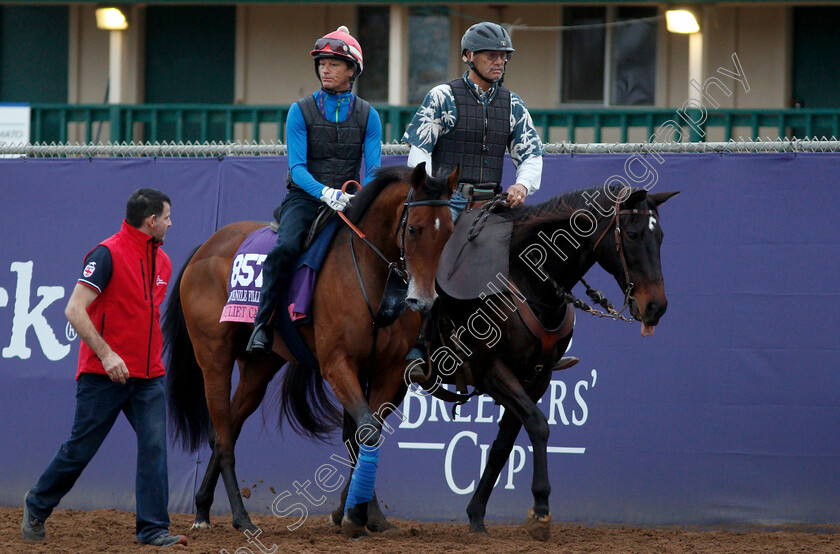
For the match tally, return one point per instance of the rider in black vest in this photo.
(327, 133)
(472, 120)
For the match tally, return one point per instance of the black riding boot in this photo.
(263, 334)
(274, 279)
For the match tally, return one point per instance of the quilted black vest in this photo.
(478, 144)
(334, 150)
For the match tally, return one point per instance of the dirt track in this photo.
(113, 531)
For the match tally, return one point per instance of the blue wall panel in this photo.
(728, 414)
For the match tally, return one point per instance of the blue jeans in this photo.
(98, 403)
(457, 204)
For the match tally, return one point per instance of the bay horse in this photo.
(405, 215)
(515, 370)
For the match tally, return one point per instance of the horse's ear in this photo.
(453, 179)
(418, 176)
(660, 197)
(635, 197)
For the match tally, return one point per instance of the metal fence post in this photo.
(116, 124)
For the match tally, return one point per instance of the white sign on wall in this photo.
(14, 124)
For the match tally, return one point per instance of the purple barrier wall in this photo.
(728, 414)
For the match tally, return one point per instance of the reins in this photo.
(392, 266)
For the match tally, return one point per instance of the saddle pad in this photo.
(465, 266)
(246, 280)
(246, 276)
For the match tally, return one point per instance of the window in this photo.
(583, 55)
(607, 61)
(374, 25)
(194, 45)
(33, 53)
(428, 50)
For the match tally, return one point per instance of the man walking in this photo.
(115, 309)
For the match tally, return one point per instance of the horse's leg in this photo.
(255, 374)
(249, 393)
(348, 433)
(204, 495)
(227, 421)
(388, 391)
(217, 385)
(343, 378)
(509, 428)
(502, 385)
(376, 519)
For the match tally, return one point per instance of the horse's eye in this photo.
(632, 235)
(412, 231)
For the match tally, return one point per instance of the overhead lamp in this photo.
(111, 18)
(681, 21)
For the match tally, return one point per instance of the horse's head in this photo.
(631, 255)
(427, 227)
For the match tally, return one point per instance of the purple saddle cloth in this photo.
(246, 276)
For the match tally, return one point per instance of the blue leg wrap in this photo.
(364, 477)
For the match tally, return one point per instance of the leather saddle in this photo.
(470, 261)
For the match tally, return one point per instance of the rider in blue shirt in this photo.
(328, 134)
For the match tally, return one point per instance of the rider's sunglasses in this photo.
(493, 55)
(336, 45)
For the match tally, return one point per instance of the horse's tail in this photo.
(307, 404)
(188, 414)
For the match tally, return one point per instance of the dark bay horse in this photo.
(406, 216)
(552, 246)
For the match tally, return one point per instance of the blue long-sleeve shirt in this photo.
(336, 107)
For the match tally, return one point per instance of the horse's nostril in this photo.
(655, 309)
(413, 303)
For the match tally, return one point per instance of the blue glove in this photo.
(335, 199)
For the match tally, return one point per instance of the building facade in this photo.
(583, 55)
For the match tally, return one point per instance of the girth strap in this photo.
(548, 337)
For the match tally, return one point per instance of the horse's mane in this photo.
(434, 188)
(528, 219)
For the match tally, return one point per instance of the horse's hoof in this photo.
(352, 530)
(245, 526)
(389, 530)
(539, 527)
(477, 529)
(201, 525)
(334, 527)
(382, 525)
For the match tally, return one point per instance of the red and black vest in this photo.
(478, 140)
(127, 312)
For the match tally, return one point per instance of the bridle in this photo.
(619, 246)
(397, 279)
(398, 268)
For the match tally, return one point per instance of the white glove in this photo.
(335, 199)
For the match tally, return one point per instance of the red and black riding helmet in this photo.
(340, 45)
